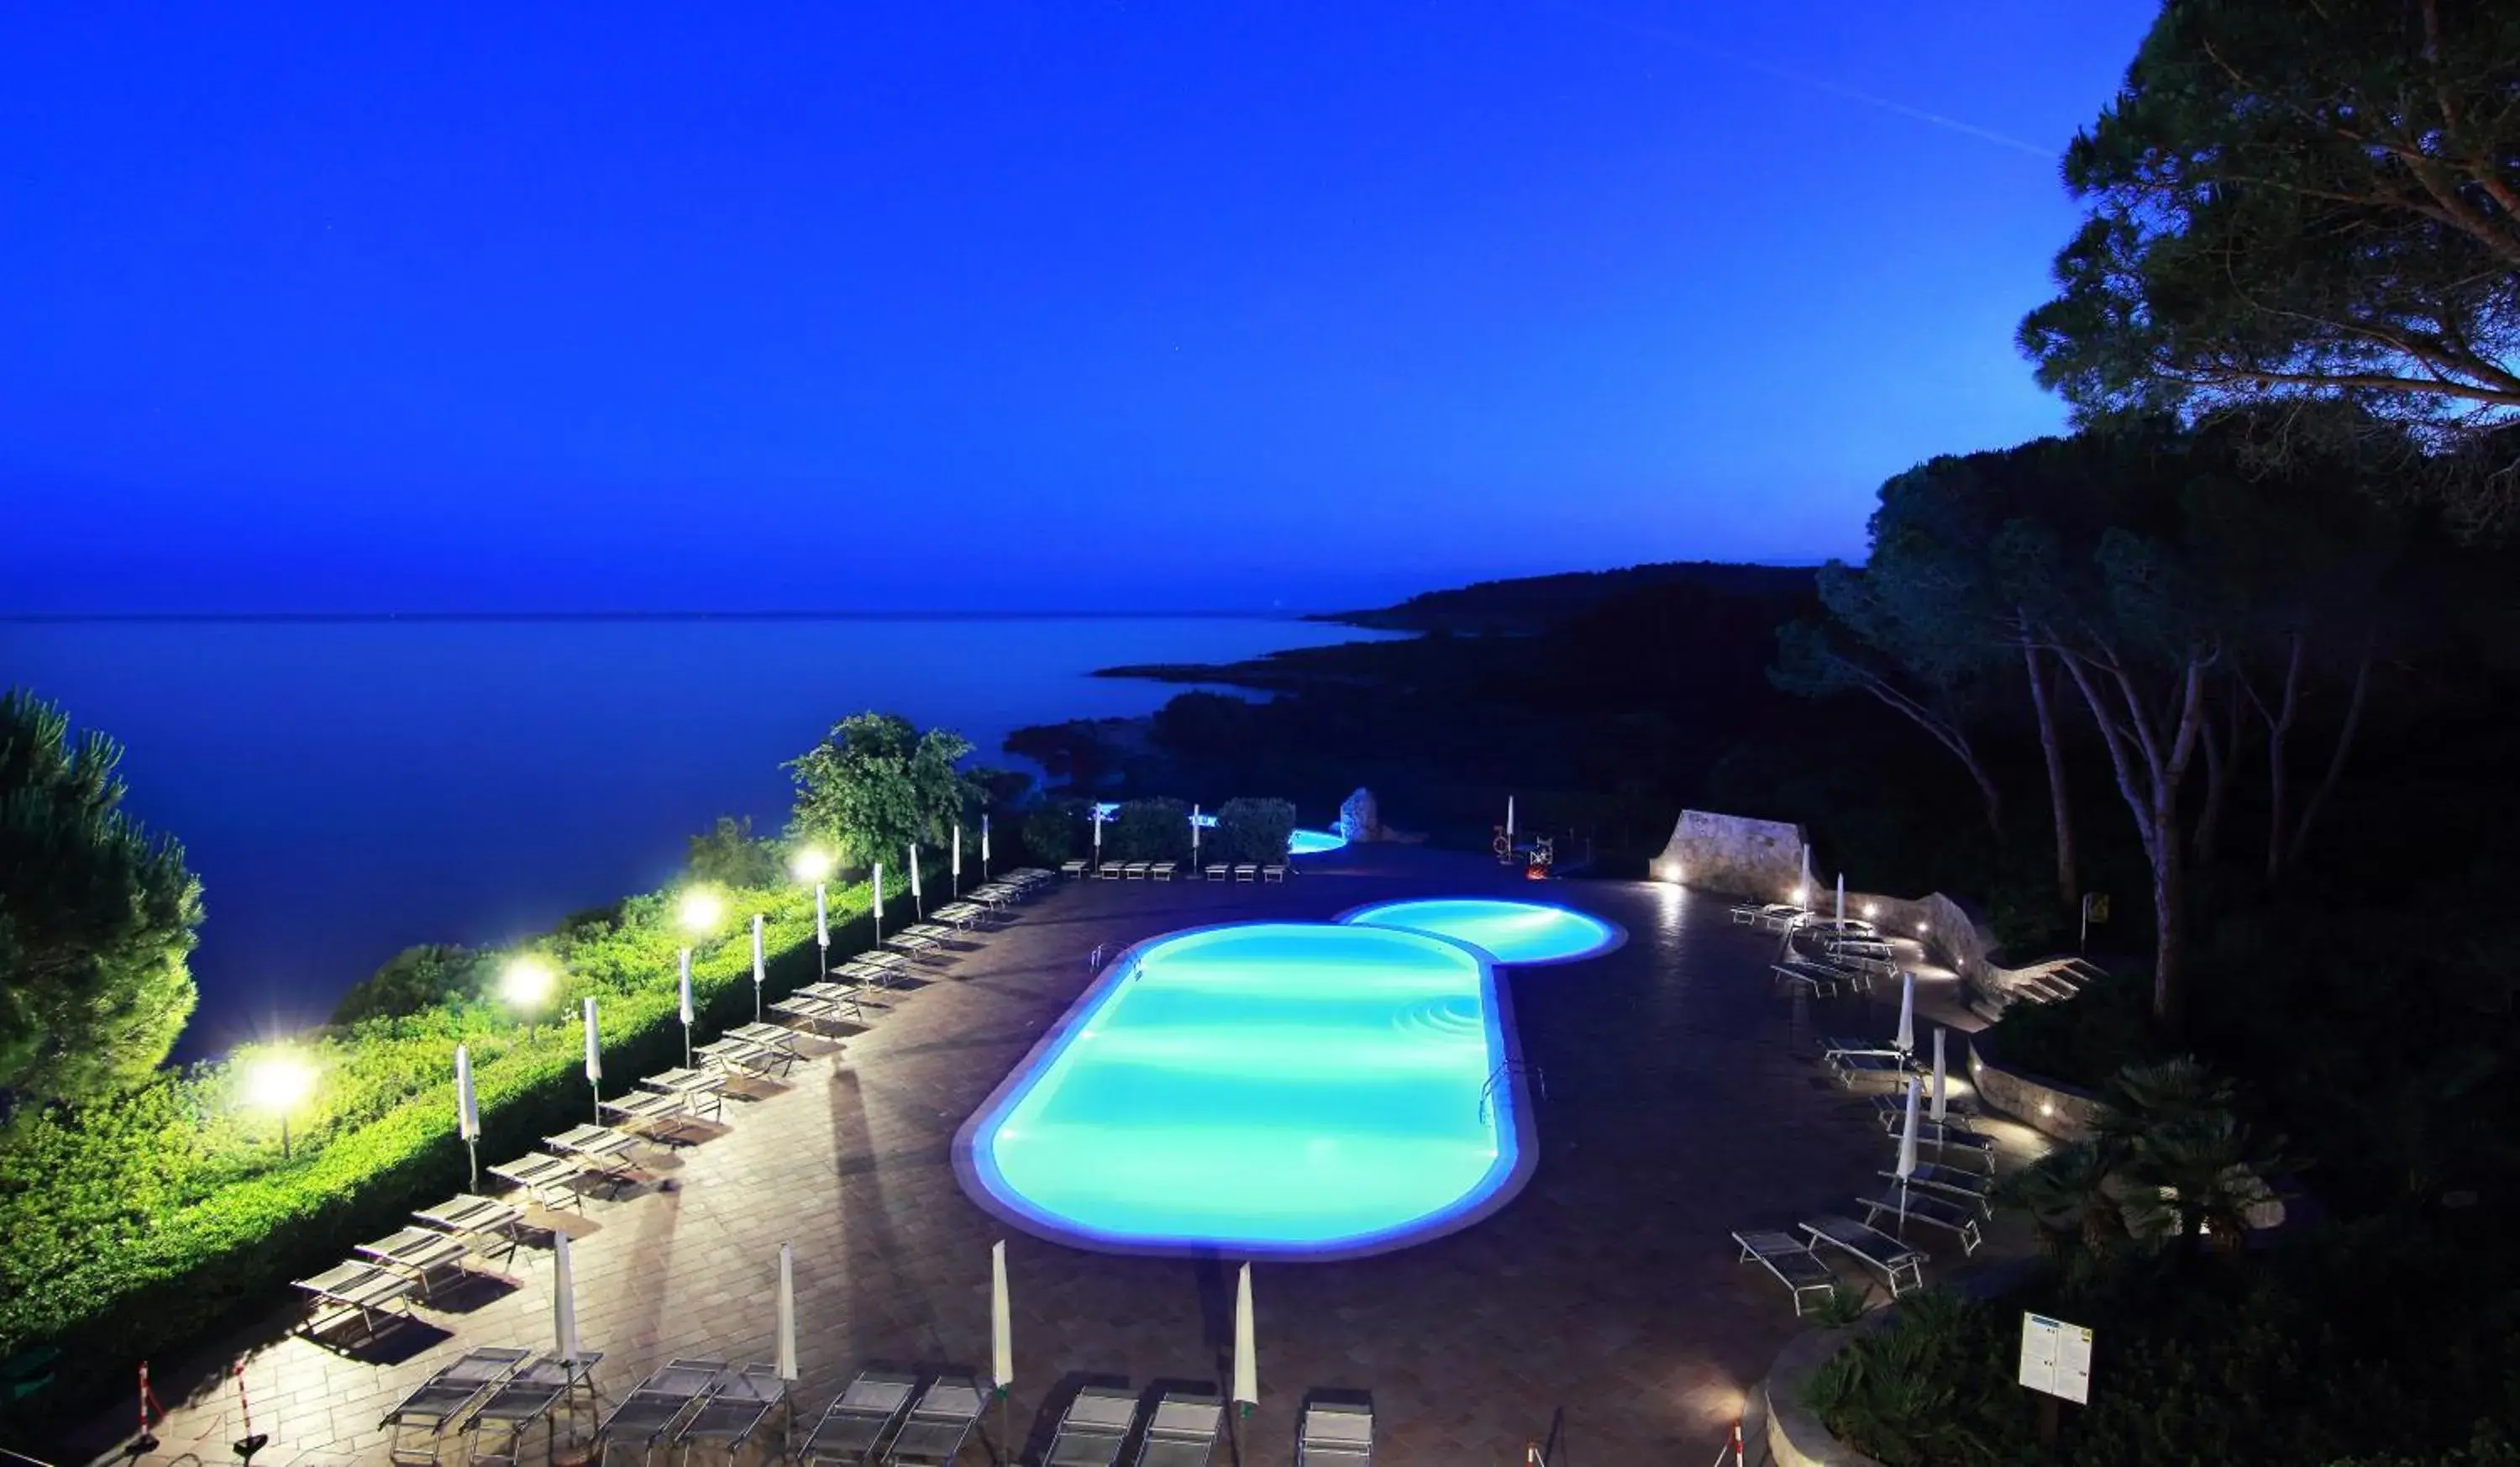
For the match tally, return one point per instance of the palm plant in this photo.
(2068, 1194)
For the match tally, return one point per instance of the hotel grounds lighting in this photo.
(279, 1083)
(699, 911)
(526, 983)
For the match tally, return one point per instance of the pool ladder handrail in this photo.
(1507, 1070)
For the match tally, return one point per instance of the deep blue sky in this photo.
(965, 306)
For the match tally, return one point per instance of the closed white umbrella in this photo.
(1906, 1167)
(1247, 1362)
(468, 1113)
(1939, 1082)
(683, 995)
(878, 902)
(564, 1300)
(1841, 898)
(1509, 824)
(760, 970)
(823, 922)
(957, 858)
(1097, 834)
(594, 1059)
(1907, 1037)
(984, 847)
(787, 1363)
(1001, 1333)
(917, 907)
(1194, 836)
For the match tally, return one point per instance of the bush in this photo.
(1254, 829)
(1054, 831)
(412, 980)
(138, 1224)
(1917, 1391)
(1151, 830)
(727, 855)
(2084, 1039)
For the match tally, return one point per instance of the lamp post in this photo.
(279, 1082)
(814, 868)
(699, 911)
(526, 983)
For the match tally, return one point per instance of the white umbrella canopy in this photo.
(1246, 1362)
(913, 869)
(984, 844)
(957, 857)
(1841, 898)
(593, 1045)
(879, 890)
(1905, 1042)
(1906, 1167)
(822, 916)
(760, 966)
(1509, 824)
(1941, 1100)
(1002, 1334)
(787, 1363)
(682, 990)
(564, 1301)
(468, 1110)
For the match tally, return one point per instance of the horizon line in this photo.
(793, 614)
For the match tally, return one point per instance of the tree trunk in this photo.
(2069, 883)
(2278, 729)
(2221, 751)
(2336, 760)
(1948, 733)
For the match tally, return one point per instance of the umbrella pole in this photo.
(473, 1156)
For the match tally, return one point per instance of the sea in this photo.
(345, 789)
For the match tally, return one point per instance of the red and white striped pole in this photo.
(1741, 1458)
(144, 1442)
(250, 1443)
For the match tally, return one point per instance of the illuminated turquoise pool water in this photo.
(1266, 1089)
(1315, 841)
(1522, 932)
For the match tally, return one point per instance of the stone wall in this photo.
(1732, 855)
(1795, 1437)
(2047, 1106)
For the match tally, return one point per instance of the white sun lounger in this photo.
(1793, 1262)
(853, 1427)
(731, 1053)
(1094, 1428)
(354, 1287)
(521, 1401)
(647, 1112)
(1273, 872)
(1951, 1143)
(1183, 1431)
(602, 1149)
(428, 1256)
(1794, 976)
(1923, 1207)
(1111, 870)
(420, 1421)
(817, 1010)
(1848, 1066)
(1335, 1435)
(657, 1404)
(1135, 870)
(1246, 871)
(1217, 872)
(768, 1037)
(698, 1088)
(476, 1219)
(542, 1177)
(1900, 1266)
(1163, 870)
(1966, 1187)
(745, 1397)
(1892, 1111)
(945, 1414)
(1071, 868)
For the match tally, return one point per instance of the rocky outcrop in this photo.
(1359, 818)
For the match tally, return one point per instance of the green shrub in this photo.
(137, 1225)
(727, 855)
(1054, 831)
(1254, 829)
(2084, 1039)
(1151, 830)
(412, 980)
(1918, 1392)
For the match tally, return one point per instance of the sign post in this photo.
(2056, 1361)
(2096, 908)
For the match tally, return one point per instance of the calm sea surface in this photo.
(347, 789)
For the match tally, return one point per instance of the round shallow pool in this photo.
(1510, 931)
(1315, 841)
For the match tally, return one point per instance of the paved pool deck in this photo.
(1600, 1313)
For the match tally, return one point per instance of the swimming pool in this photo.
(1522, 933)
(1292, 1090)
(1315, 841)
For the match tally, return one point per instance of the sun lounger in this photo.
(602, 1149)
(1335, 1435)
(657, 1404)
(853, 1427)
(646, 1113)
(520, 1403)
(543, 1177)
(1246, 871)
(945, 1414)
(1135, 870)
(1094, 1428)
(1923, 1207)
(1108, 871)
(699, 1088)
(744, 1398)
(1967, 1188)
(420, 1420)
(1274, 873)
(1797, 975)
(914, 946)
(1953, 1142)
(1903, 1267)
(730, 1053)
(1833, 1045)
(768, 1037)
(1848, 1066)
(1028, 873)
(1892, 1111)
(1778, 917)
(1183, 1431)
(357, 1287)
(1747, 913)
(476, 1219)
(810, 1009)
(1163, 870)
(1216, 871)
(959, 914)
(428, 1256)
(1071, 868)
(1791, 1261)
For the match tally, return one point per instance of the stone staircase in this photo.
(2048, 981)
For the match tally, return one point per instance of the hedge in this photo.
(136, 1226)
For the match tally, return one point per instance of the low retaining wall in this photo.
(1739, 857)
(1795, 1437)
(2047, 1106)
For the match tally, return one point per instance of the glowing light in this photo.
(1508, 932)
(699, 909)
(1922, 928)
(1802, 895)
(1280, 1089)
(2047, 1108)
(1313, 841)
(810, 866)
(527, 982)
(1871, 910)
(279, 1083)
